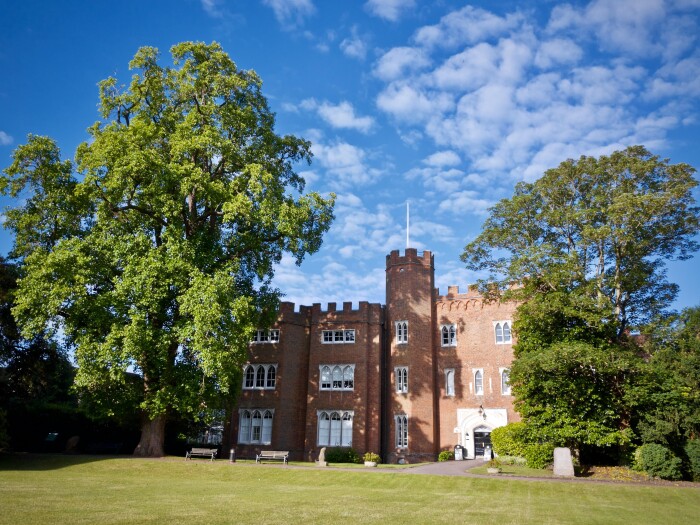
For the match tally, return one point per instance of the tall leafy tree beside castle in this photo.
(154, 252)
(588, 244)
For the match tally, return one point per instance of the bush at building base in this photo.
(445, 455)
(658, 461)
(342, 455)
(692, 453)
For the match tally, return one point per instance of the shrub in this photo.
(539, 455)
(657, 461)
(4, 438)
(445, 455)
(342, 455)
(510, 440)
(692, 452)
(371, 456)
(512, 460)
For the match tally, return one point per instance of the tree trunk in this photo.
(152, 437)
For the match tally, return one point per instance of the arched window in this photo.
(348, 378)
(502, 332)
(249, 377)
(324, 429)
(449, 382)
(506, 332)
(401, 373)
(401, 431)
(335, 428)
(257, 427)
(448, 335)
(505, 382)
(326, 378)
(401, 332)
(267, 428)
(244, 427)
(260, 376)
(478, 383)
(337, 378)
(346, 430)
(271, 376)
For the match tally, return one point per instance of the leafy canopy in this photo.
(587, 246)
(154, 252)
(601, 228)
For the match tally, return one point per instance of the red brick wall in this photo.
(365, 355)
(476, 349)
(409, 297)
(432, 415)
(288, 399)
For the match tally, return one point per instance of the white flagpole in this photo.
(408, 224)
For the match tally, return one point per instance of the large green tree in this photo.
(154, 252)
(587, 246)
(667, 398)
(600, 228)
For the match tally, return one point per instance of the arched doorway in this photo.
(482, 439)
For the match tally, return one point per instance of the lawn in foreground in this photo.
(83, 489)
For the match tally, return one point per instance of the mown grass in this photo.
(82, 489)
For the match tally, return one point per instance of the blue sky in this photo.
(444, 104)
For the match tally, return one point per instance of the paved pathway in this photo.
(445, 468)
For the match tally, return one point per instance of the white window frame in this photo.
(401, 437)
(505, 385)
(503, 332)
(347, 377)
(449, 382)
(249, 433)
(266, 336)
(340, 336)
(401, 332)
(401, 379)
(448, 335)
(478, 372)
(334, 434)
(264, 376)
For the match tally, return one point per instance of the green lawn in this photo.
(94, 490)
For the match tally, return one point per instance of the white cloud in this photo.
(354, 46)
(513, 99)
(631, 26)
(5, 139)
(339, 116)
(443, 158)
(398, 61)
(558, 51)
(345, 165)
(390, 10)
(459, 203)
(466, 26)
(212, 8)
(291, 13)
(409, 104)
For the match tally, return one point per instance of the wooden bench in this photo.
(281, 455)
(202, 452)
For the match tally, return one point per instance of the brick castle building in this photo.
(409, 379)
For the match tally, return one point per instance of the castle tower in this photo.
(411, 422)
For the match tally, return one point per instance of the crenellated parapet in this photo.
(288, 314)
(366, 312)
(411, 256)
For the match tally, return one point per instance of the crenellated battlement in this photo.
(365, 312)
(411, 256)
(288, 313)
(453, 293)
